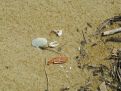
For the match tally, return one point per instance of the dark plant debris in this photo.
(112, 39)
(89, 25)
(109, 21)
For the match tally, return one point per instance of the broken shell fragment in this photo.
(58, 32)
(53, 44)
(58, 60)
(40, 42)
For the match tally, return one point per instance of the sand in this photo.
(22, 65)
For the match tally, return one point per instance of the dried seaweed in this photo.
(109, 21)
(116, 69)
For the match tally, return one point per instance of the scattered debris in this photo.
(108, 22)
(57, 32)
(103, 87)
(58, 60)
(116, 67)
(40, 42)
(108, 83)
(113, 39)
(111, 85)
(114, 31)
(53, 44)
(99, 70)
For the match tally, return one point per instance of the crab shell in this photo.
(58, 60)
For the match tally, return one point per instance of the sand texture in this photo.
(22, 65)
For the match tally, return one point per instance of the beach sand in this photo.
(22, 65)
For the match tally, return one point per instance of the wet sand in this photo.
(22, 65)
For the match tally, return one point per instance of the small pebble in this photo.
(40, 42)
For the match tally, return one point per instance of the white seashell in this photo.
(53, 44)
(58, 32)
(40, 42)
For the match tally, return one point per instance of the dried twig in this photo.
(113, 39)
(46, 76)
(84, 41)
(108, 21)
(111, 32)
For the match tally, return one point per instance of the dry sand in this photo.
(22, 65)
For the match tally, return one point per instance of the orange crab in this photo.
(58, 60)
